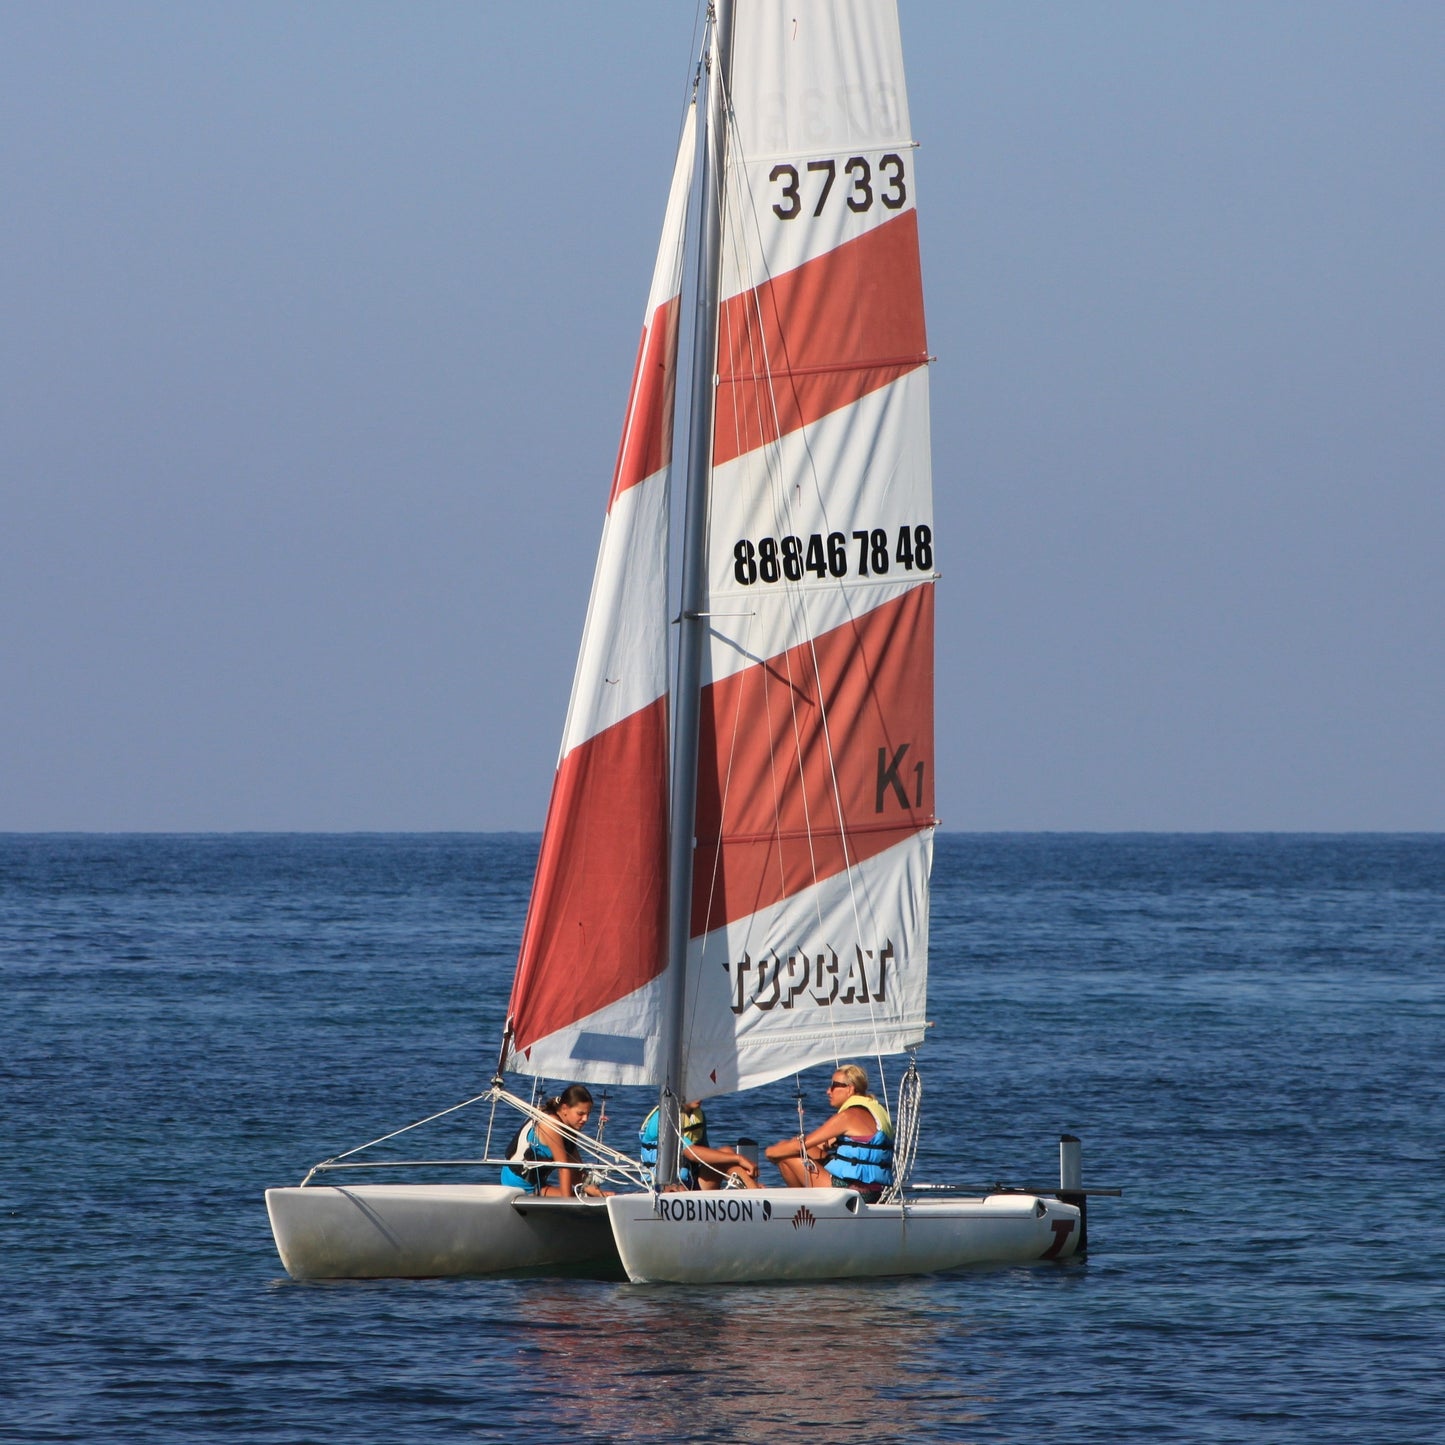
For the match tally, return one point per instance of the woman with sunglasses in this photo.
(852, 1150)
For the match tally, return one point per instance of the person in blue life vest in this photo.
(701, 1166)
(853, 1149)
(542, 1141)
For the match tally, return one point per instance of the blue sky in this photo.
(319, 320)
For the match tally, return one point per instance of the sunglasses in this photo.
(838, 1084)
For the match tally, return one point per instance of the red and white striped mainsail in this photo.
(815, 805)
(585, 996)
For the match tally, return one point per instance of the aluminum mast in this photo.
(692, 623)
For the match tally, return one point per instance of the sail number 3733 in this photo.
(862, 186)
(869, 553)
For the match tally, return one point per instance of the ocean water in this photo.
(1247, 1032)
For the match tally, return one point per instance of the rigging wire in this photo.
(805, 1162)
(609, 1163)
(905, 1129)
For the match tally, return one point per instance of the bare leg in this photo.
(792, 1172)
(803, 1174)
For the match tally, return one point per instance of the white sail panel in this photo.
(861, 481)
(616, 1044)
(829, 974)
(815, 75)
(622, 666)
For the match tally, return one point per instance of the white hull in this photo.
(740, 1235)
(419, 1231)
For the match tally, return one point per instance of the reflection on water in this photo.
(874, 1360)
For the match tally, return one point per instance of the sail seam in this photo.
(794, 834)
(883, 363)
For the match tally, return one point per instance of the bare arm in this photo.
(791, 1148)
(719, 1160)
(813, 1150)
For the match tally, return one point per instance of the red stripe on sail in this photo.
(596, 927)
(776, 832)
(815, 339)
(646, 445)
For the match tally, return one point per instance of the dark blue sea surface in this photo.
(1247, 1032)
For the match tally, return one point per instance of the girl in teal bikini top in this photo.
(542, 1141)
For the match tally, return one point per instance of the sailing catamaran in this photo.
(733, 877)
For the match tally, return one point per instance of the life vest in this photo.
(866, 1162)
(522, 1171)
(694, 1128)
(694, 1132)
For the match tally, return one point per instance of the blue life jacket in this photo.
(694, 1131)
(521, 1172)
(867, 1163)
